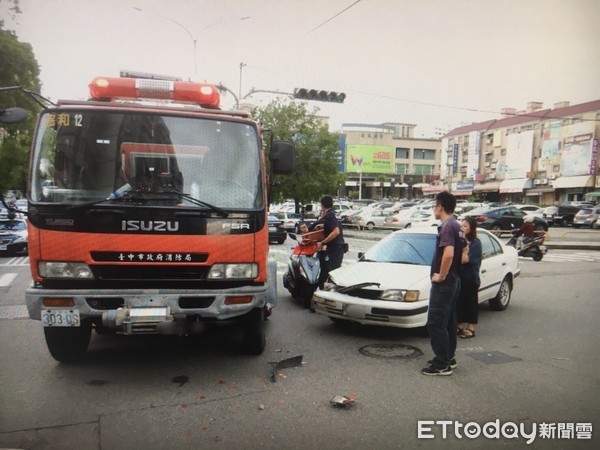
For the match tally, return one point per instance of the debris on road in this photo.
(343, 401)
(295, 361)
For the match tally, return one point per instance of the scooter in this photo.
(304, 267)
(531, 247)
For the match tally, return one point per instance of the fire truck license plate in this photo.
(60, 318)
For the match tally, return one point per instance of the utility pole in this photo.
(242, 65)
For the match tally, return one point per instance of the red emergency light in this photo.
(206, 95)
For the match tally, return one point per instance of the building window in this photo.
(401, 153)
(421, 153)
(556, 168)
(362, 134)
(422, 169)
(401, 169)
(488, 157)
(503, 152)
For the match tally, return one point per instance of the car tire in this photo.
(502, 299)
(576, 226)
(496, 229)
(281, 241)
(370, 226)
(407, 226)
(68, 344)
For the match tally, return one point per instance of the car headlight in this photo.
(59, 269)
(20, 240)
(399, 295)
(233, 272)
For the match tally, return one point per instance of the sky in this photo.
(438, 64)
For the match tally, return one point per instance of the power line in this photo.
(331, 18)
(464, 108)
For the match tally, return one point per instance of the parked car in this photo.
(371, 218)
(596, 224)
(561, 215)
(390, 283)
(424, 219)
(586, 217)
(290, 221)
(13, 235)
(276, 230)
(503, 219)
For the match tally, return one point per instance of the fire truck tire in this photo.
(254, 337)
(68, 344)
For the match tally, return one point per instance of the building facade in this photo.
(387, 161)
(540, 156)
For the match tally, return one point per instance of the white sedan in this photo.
(390, 283)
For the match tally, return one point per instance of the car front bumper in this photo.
(371, 312)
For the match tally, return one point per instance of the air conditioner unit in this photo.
(492, 177)
(493, 166)
(494, 161)
(544, 181)
(552, 176)
(536, 182)
(487, 164)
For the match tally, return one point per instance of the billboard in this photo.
(369, 159)
(519, 153)
(550, 145)
(577, 149)
(473, 154)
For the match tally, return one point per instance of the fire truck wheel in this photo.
(254, 337)
(68, 344)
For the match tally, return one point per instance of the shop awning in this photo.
(420, 185)
(515, 185)
(594, 194)
(573, 182)
(351, 183)
(401, 185)
(538, 191)
(378, 184)
(432, 189)
(462, 193)
(492, 186)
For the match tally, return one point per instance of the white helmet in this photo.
(528, 219)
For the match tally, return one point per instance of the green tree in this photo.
(316, 171)
(20, 69)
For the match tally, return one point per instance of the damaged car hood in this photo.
(388, 275)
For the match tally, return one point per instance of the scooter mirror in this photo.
(293, 236)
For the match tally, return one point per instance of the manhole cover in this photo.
(390, 351)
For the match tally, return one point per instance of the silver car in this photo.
(586, 217)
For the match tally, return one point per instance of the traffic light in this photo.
(321, 96)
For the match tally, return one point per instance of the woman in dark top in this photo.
(468, 302)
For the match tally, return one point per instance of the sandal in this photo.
(468, 334)
(460, 331)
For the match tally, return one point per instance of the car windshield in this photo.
(12, 225)
(83, 156)
(551, 210)
(408, 248)
(585, 211)
(479, 210)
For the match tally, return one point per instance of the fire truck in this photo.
(148, 214)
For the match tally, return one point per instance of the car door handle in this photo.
(503, 264)
(483, 271)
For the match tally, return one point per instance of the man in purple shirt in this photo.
(445, 286)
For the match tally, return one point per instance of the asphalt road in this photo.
(535, 362)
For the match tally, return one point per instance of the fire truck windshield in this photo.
(83, 156)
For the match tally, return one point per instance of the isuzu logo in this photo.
(149, 225)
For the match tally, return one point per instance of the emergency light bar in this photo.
(105, 88)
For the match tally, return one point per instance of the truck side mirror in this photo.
(282, 157)
(12, 115)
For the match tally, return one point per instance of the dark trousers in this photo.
(330, 260)
(467, 305)
(441, 321)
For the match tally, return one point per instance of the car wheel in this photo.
(370, 226)
(496, 229)
(502, 299)
(68, 344)
(576, 226)
(281, 241)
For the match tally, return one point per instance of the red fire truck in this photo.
(148, 214)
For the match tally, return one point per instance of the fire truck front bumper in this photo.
(133, 311)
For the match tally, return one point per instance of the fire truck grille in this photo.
(155, 273)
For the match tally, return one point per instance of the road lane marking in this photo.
(16, 261)
(7, 278)
(14, 312)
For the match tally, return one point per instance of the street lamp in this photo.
(186, 30)
(242, 65)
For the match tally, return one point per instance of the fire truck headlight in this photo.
(58, 269)
(233, 272)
